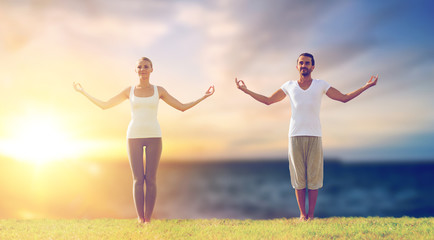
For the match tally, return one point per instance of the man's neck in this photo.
(307, 78)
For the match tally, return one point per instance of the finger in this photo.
(237, 81)
(209, 91)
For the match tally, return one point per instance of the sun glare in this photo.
(38, 139)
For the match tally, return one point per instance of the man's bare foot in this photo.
(310, 218)
(303, 218)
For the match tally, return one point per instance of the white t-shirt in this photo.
(305, 107)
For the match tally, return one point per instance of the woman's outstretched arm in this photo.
(104, 104)
(173, 102)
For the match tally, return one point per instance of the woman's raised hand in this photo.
(210, 91)
(77, 87)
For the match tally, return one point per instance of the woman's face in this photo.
(144, 68)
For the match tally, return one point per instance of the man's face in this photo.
(304, 65)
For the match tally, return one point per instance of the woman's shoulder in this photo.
(126, 91)
(161, 90)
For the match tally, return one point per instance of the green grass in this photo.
(207, 229)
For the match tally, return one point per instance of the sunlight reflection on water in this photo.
(257, 190)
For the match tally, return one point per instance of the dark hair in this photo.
(146, 59)
(307, 55)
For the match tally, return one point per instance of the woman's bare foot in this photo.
(303, 218)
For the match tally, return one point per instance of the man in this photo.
(305, 145)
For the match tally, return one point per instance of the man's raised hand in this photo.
(373, 81)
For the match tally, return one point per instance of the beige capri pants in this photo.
(306, 163)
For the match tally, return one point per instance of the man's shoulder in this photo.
(322, 84)
(290, 82)
(320, 81)
(288, 85)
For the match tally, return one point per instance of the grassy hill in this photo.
(327, 228)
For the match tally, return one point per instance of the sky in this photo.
(46, 45)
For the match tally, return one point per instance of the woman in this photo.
(144, 131)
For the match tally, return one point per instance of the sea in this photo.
(257, 189)
(262, 190)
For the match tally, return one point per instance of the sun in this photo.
(38, 139)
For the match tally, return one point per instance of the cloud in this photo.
(15, 30)
(87, 22)
(108, 30)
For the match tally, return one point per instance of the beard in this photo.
(306, 72)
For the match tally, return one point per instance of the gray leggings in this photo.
(141, 176)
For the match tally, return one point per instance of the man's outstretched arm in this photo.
(278, 96)
(334, 94)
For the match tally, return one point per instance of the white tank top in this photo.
(144, 123)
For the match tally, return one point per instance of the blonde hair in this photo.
(146, 59)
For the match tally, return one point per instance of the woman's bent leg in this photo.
(135, 155)
(153, 154)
